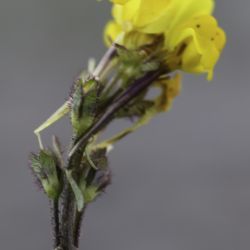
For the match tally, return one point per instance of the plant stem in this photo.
(69, 210)
(104, 61)
(70, 218)
(67, 219)
(138, 86)
(56, 222)
(77, 226)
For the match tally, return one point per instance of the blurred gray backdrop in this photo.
(180, 183)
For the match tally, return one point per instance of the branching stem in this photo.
(138, 86)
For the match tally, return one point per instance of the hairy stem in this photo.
(77, 226)
(69, 208)
(67, 219)
(56, 222)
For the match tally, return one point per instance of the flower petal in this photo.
(119, 1)
(111, 32)
(203, 41)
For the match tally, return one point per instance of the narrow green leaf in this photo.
(76, 190)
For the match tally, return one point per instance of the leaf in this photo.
(76, 190)
(59, 113)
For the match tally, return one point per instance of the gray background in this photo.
(180, 183)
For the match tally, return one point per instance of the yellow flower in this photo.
(199, 43)
(119, 1)
(193, 40)
(111, 32)
(159, 16)
(132, 39)
(170, 89)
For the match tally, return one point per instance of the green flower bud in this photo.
(95, 180)
(83, 106)
(45, 169)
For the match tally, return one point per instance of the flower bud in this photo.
(83, 106)
(96, 180)
(100, 182)
(46, 172)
